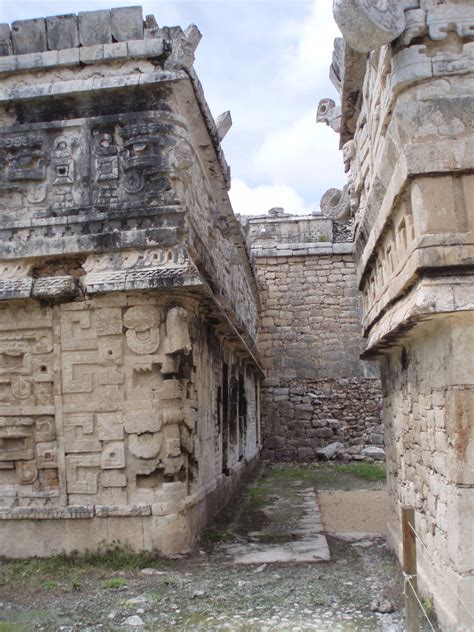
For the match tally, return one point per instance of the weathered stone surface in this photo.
(315, 392)
(112, 233)
(95, 28)
(126, 23)
(63, 31)
(368, 25)
(29, 36)
(6, 47)
(406, 114)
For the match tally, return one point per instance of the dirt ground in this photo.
(206, 589)
(355, 511)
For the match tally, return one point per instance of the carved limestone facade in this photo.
(407, 94)
(129, 376)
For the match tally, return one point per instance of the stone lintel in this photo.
(439, 158)
(430, 298)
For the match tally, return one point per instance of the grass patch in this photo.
(114, 583)
(154, 596)
(76, 585)
(257, 494)
(12, 627)
(116, 558)
(290, 473)
(49, 584)
(214, 535)
(367, 471)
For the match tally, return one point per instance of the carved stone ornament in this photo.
(336, 204)
(329, 113)
(369, 24)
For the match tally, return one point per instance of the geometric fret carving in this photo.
(82, 471)
(79, 433)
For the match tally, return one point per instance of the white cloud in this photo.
(308, 56)
(248, 200)
(304, 155)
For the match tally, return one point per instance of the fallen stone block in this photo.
(330, 451)
(374, 453)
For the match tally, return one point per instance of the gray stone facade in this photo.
(129, 373)
(317, 391)
(405, 72)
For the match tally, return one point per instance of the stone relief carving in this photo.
(177, 332)
(127, 160)
(369, 24)
(330, 114)
(142, 155)
(143, 335)
(336, 204)
(133, 422)
(28, 458)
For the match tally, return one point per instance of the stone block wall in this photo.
(405, 74)
(317, 391)
(302, 416)
(428, 412)
(129, 375)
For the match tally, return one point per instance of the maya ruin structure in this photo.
(153, 345)
(129, 379)
(405, 73)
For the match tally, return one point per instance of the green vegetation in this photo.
(215, 535)
(115, 558)
(257, 495)
(49, 584)
(367, 471)
(428, 606)
(76, 585)
(12, 627)
(154, 596)
(114, 583)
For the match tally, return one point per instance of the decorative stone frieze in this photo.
(129, 374)
(369, 24)
(407, 112)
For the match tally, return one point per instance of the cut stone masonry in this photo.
(129, 372)
(317, 392)
(405, 73)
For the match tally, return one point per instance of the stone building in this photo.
(129, 376)
(317, 392)
(405, 73)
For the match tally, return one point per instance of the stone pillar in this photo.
(406, 122)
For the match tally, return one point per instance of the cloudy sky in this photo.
(267, 62)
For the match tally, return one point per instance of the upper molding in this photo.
(369, 24)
